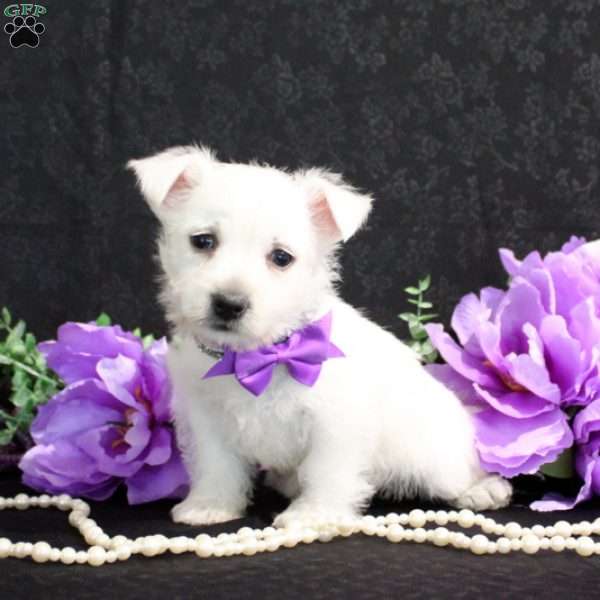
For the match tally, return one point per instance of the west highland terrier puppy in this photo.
(272, 369)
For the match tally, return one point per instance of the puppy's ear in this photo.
(337, 209)
(165, 177)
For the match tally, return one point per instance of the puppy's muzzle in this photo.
(229, 308)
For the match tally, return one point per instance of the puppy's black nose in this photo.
(229, 308)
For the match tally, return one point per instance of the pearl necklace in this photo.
(405, 527)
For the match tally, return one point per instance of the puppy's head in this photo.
(247, 251)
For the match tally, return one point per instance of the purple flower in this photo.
(111, 424)
(80, 346)
(586, 428)
(526, 356)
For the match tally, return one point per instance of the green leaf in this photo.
(16, 333)
(43, 386)
(103, 320)
(6, 435)
(7, 418)
(5, 360)
(413, 291)
(39, 363)
(148, 340)
(561, 467)
(427, 347)
(19, 379)
(424, 318)
(30, 343)
(431, 357)
(425, 304)
(6, 316)
(18, 350)
(408, 317)
(425, 283)
(20, 397)
(25, 416)
(415, 302)
(137, 331)
(417, 332)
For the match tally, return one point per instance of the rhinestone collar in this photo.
(218, 354)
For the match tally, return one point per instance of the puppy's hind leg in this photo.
(464, 484)
(490, 493)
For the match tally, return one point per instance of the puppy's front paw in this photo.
(307, 516)
(490, 493)
(193, 512)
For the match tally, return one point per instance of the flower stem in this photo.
(31, 371)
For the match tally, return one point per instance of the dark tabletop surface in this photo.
(356, 567)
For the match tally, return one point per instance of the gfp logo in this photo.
(24, 29)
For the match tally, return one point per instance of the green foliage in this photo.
(103, 320)
(23, 372)
(419, 340)
(147, 340)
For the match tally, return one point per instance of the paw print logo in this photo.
(24, 32)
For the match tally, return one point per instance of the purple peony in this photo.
(527, 357)
(586, 428)
(80, 346)
(111, 424)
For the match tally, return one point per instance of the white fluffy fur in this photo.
(374, 421)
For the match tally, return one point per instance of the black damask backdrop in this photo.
(476, 124)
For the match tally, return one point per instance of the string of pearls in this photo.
(405, 527)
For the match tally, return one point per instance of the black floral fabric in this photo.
(475, 123)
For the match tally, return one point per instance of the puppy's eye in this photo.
(280, 258)
(203, 241)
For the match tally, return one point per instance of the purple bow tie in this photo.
(303, 353)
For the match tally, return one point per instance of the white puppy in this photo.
(248, 257)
